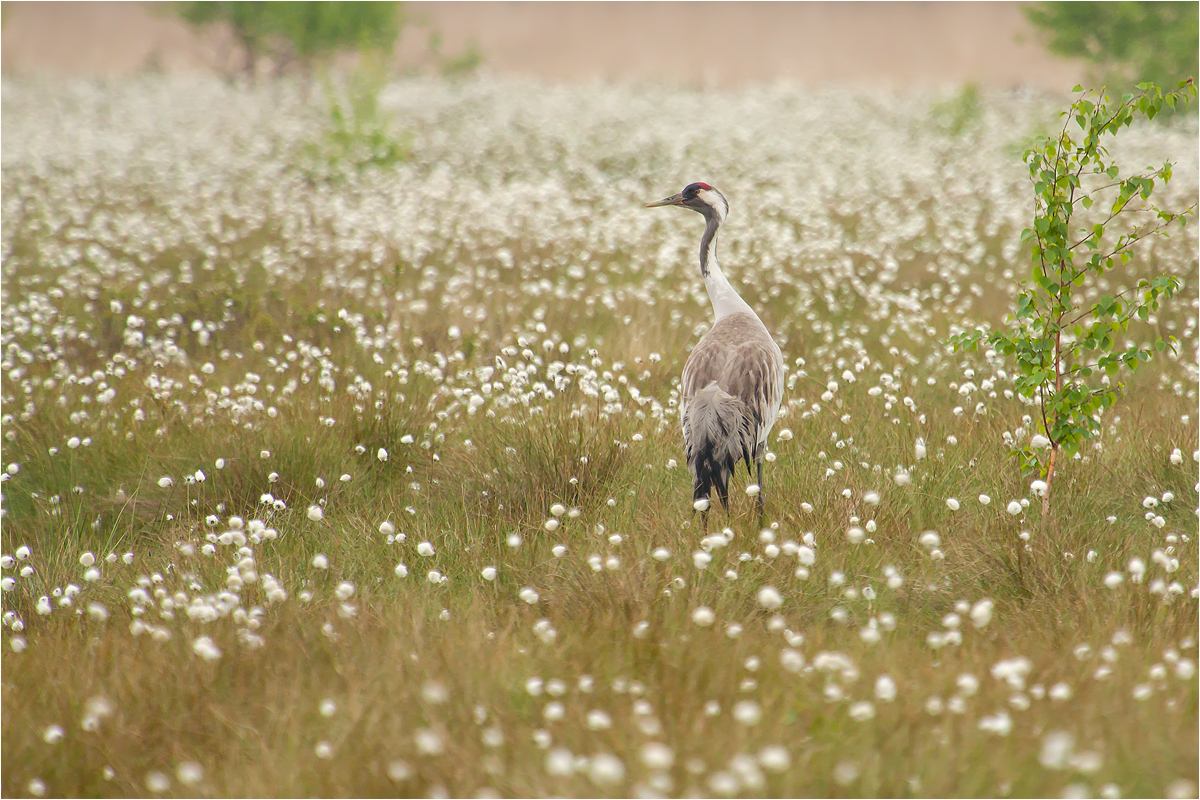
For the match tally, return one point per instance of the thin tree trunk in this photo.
(1049, 481)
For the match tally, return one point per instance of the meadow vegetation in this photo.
(375, 485)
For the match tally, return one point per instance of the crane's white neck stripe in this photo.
(715, 201)
(725, 299)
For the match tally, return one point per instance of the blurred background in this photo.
(1047, 46)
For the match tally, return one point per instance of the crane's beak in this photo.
(673, 200)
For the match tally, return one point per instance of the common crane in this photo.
(733, 379)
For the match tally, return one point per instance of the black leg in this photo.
(761, 499)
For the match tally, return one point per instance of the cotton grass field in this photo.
(341, 481)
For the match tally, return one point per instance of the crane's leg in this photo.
(761, 500)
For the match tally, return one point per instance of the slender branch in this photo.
(1118, 183)
(1137, 237)
(1113, 216)
(1119, 294)
(1093, 366)
(1042, 409)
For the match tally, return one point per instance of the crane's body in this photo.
(733, 380)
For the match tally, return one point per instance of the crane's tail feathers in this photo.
(719, 434)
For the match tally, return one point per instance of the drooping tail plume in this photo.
(719, 433)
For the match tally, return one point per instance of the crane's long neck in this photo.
(725, 299)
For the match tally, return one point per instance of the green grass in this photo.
(614, 295)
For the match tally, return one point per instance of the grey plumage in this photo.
(730, 397)
(733, 380)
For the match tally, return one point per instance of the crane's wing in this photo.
(740, 355)
(755, 374)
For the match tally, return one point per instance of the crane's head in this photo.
(699, 197)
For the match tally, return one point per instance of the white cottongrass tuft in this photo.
(702, 504)
(845, 772)
(861, 711)
(605, 769)
(981, 612)
(952, 504)
(703, 616)
(189, 773)
(315, 513)
(747, 712)
(560, 762)
(770, 598)
(429, 742)
(791, 660)
(1014, 507)
(999, 723)
(598, 720)
(158, 782)
(774, 758)
(434, 693)
(1056, 749)
(656, 755)
(1012, 671)
(206, 648)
